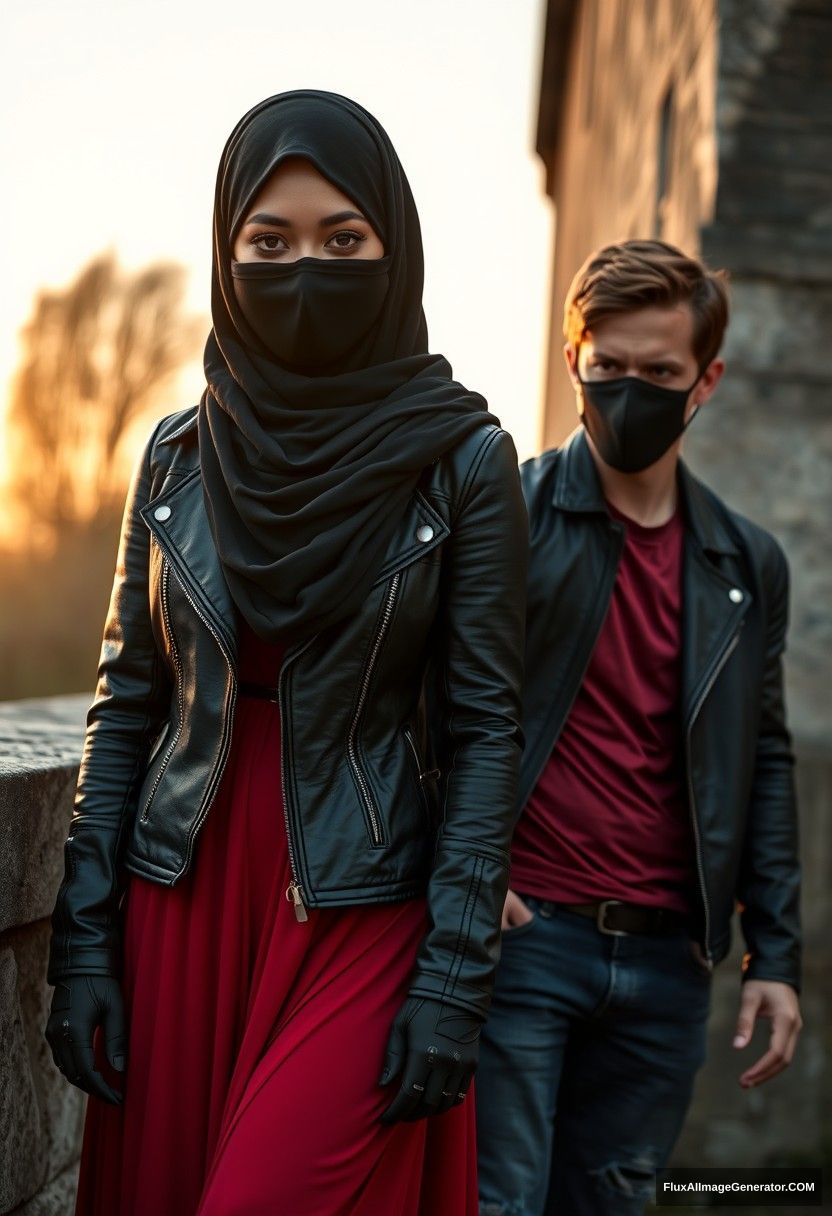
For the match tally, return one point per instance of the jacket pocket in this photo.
(158, 744)
(177, 662)
(422, 776)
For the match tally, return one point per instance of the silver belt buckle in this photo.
(599, 919)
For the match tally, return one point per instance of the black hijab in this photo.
(306, 476)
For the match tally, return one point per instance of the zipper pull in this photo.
(293, 894)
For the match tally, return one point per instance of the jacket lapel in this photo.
(714, 601)
(178, 520)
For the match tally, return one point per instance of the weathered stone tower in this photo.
(709, 123)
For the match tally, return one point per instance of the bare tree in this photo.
(95, 356)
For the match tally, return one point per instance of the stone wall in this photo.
(765, 442)
(634, 149)
(41, 1115)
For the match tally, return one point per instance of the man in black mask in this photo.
(656, 787)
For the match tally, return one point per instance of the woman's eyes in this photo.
(345, 240)
(271, 243)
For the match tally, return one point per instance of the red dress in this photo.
(255, 1040)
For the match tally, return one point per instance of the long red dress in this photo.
(255, 1040)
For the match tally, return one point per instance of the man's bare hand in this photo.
(515, 912)
(778, 1002)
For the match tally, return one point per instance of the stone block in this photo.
(780, 330)
(62, 1105)
(41, 1114)
(56, 1199)
(40, 749)
(22, 1153)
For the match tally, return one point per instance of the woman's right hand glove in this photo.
(435, 1048)
(79, 1004)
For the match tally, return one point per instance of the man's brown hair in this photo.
(642, 274)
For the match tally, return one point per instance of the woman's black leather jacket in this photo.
(380, 803)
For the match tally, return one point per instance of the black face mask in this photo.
(633, 422)
(310, 314)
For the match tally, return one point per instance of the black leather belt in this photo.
(616, 916)
(246, 688)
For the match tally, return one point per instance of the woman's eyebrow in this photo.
(263, 217)
(340, 216)
(278, 221)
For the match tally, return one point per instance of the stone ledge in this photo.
(37, 732)
(40, 750)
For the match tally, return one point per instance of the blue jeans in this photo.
(587, 1065)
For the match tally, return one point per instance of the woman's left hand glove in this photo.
(436, 1048)
(80, 1003)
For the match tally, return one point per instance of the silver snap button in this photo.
(735, 595)
(162, 513)
(424, 533)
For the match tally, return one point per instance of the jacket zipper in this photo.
(351, 736)
(226, 733)
(294, 891)
(178, 664)
(719, 663)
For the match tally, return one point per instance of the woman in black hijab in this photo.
(342, 522)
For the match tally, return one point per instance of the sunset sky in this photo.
(115, 115)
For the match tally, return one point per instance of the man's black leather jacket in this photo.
(737, 749)
(368, 818)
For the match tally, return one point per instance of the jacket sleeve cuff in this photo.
(764, 969)
(435, 987)
(85, 961)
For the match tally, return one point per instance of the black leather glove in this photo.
(79, 1004)
(436, 1048)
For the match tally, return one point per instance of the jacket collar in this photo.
(703, 520)
(577, 485)
(189, 424)
(177, 518)
(578, 488)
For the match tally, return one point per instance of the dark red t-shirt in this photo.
(609, 817)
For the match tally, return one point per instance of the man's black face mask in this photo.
(631, 421)
(311, 313)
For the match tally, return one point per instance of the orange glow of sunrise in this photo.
(119, 124)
